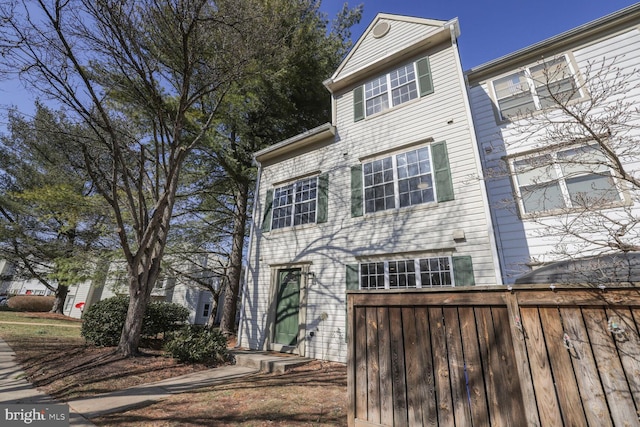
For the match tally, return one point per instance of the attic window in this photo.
(381, 30)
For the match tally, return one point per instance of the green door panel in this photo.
(287, 307)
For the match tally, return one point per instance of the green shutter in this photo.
(356, 190)
(424, 76)
(358, 104)
(268, 210)
(323, 198)
(352, 284)
(353, 277)
(463, 271)
(444, 185)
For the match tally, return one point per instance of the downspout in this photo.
(455, 32)
(249, 251)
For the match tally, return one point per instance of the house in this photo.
(181, 289)
(388, 195)
(560, 206)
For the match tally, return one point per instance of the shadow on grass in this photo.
(71, 369)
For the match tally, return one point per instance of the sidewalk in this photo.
(14, 389)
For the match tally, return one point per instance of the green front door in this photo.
(287, 307)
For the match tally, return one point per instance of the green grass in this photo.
(36, 327)
(16, 316)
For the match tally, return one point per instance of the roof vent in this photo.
(381, 29)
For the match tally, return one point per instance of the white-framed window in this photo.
(407, 273)
(571, 178)
(398, 86)
(399, 180)
(295, 204)
(534, 87)
(401, 83)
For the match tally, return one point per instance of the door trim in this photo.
(270, 345)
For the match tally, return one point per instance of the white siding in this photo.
(522, 241)
(401, 35)
(343, 240)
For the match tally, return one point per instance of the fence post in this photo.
(518, 335)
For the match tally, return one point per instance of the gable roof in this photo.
(388, 39)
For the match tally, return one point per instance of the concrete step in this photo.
(268, 362)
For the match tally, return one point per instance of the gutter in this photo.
(609, 22)
(301, 140)
(245, 293)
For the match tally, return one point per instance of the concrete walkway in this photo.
(15, 389)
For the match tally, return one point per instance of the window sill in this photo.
(402, 211)
(570, 211)
(391, 109)
(296, 228)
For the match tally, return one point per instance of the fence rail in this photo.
(534, 356)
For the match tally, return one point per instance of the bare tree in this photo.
(144, 80)
(577, 174)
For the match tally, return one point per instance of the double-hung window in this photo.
(397, 181)
(295, 204)
(304, 201)
(573, 178)
(414, 177)
(541, 86)
(400, 85)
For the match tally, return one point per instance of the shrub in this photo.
(31, 303)
(197, 344)
(162, 317)
(103, 321)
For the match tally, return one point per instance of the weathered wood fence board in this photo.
(495, 357)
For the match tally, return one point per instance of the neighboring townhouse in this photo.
(388, 195)
(556, 198)
(170, 288)
(183, 289)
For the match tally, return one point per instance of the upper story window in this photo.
(535, 88)
(573, 178)
(400, 85)
(397, 181)
(414, 177)
(301, 202)
(295, 204)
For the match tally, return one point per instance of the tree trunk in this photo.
(61, 297)
(130, 336)
(230, 306)
(213, 314)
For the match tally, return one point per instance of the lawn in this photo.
(57, 360)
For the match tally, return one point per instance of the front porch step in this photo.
(268, 362)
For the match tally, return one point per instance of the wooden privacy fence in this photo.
(530, 356)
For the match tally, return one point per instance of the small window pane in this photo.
(378, 185)
(435, 272)
(592, 190)
(514, 95)
(544, 197)
(415, 181)
(376, 96)
(554, 77)
(372, 275)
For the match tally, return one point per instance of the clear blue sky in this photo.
(489, 29)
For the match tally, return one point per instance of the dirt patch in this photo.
(68, 369)
(314, 394)
(310, 395)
